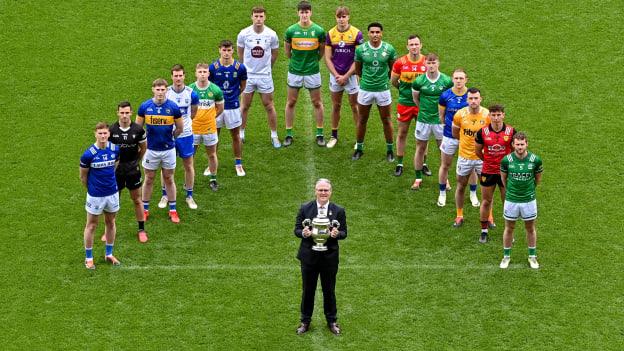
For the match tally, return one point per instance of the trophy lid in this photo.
(320, 221)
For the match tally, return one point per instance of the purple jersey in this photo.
(343, 46)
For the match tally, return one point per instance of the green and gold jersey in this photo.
(521, 176)
(430, 91)
(305, 48)
(375, 66)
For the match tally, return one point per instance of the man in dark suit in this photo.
(323, 263)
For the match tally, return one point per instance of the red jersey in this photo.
(407, 71)
(495, 146)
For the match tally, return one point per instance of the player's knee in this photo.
(336, 107)
(291, 102)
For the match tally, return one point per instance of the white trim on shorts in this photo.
(95, 205)
(206, 139)
(232, 118)
(380, 98)
(310, 82)
(154, 159)
(262, 85)
(351, 87)
(465, 166)
(424, 130)
(527, 211)
(449, 146)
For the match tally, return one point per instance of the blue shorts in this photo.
(184, 146)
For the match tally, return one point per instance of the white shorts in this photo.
(309, 82)
(449, 146)
(154, 159)
(513, 211)
(381, 98)
(351, 87)
(96, 205)
(465, 166)
(261, 85)
(206, 139)
(424, 130)
(232, 119)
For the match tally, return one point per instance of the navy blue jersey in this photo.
(453, 103)
(159, 122)
(228, 78)
(101, 179)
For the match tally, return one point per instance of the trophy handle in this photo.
(335, 224)
(306, 222)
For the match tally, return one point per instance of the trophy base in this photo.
(319, 248)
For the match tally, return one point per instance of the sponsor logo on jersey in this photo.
(257, 51)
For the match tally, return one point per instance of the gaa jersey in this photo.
(375, 67)
(184, 99)
(205, 121)
(521, 176)
(128, 140)
(469, 124)
(408, 70)
(495, 146)
(257, 55)
(343, 46)
(305, 48)
(228, 79)
(430, 91)
(101, 179)
(159, 123)
(452, 103)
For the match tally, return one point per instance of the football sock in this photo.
(359, 146)
(399, 160)
(273, 133)
(507, 251)
(289, 132)
(238, 162)
(141, 225)
(319, 131)
(164, 191)
(460, 212)
(146, 205)
(213, 177)
(442, 188)
(484, 226)
(89, 253)
(335, 133)
(189, 192)
(419, 173)
(532, 252)
(109, 249)
(241, 133)
(172, 205)
(389, 146)
(473, 188)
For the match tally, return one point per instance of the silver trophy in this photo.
(321, 227)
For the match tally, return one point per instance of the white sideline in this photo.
(295, 267)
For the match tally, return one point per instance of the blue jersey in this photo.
(159, 122)
(228, 78)
(453, 103)
(101, 179)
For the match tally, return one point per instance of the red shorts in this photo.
(406, 113)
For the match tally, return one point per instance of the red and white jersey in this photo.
(258, 46)
(495, 146)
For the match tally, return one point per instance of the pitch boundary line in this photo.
(295, 267)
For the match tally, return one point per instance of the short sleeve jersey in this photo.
(430, 91)
(205, 121)
(452, 103)
(128, 141)
(521, 176)
(184, 99)
(343, 46)
(469, 124)
(257, 46)
(495, 146)
(159, 122)
(305, 48)
(228, 79)
(408, 70)
(101, 179)
(375, 67)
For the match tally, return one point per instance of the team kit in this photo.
(179, 119)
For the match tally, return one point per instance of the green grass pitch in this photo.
(226, 278)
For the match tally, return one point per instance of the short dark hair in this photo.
(101, 125)
(159, 82)
(304, 6)
(520, 136)
(258, 9)
(225, 43)
(123, 104)
(497, 108)
(177, 67)
(474, 90)
(432, 56)
(375, 24)
(414, 36)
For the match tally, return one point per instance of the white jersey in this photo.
(184, 101)
(257, 57)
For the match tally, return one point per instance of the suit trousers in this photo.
(310, 274)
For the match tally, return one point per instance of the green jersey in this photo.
(205, 121)
(375, 65)
(521, 176)
(305, 43)
(430, 92)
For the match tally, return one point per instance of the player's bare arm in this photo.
(416, 97)
(479, 150)
(84, 173)
(455, 131)
(179, 126)
(538, 178)
(274, 54)
(241, 54)
(358, 68)
(287, 49)
(219, 107)
(441, 113)
(394, 80)
(321, 51)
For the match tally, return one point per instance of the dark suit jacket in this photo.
(308, 256)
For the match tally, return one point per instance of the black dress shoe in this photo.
(304, 327)
(334, 328)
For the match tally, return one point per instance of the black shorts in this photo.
(128, 178)
(491, 180)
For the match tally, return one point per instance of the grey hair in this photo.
(323, 180)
